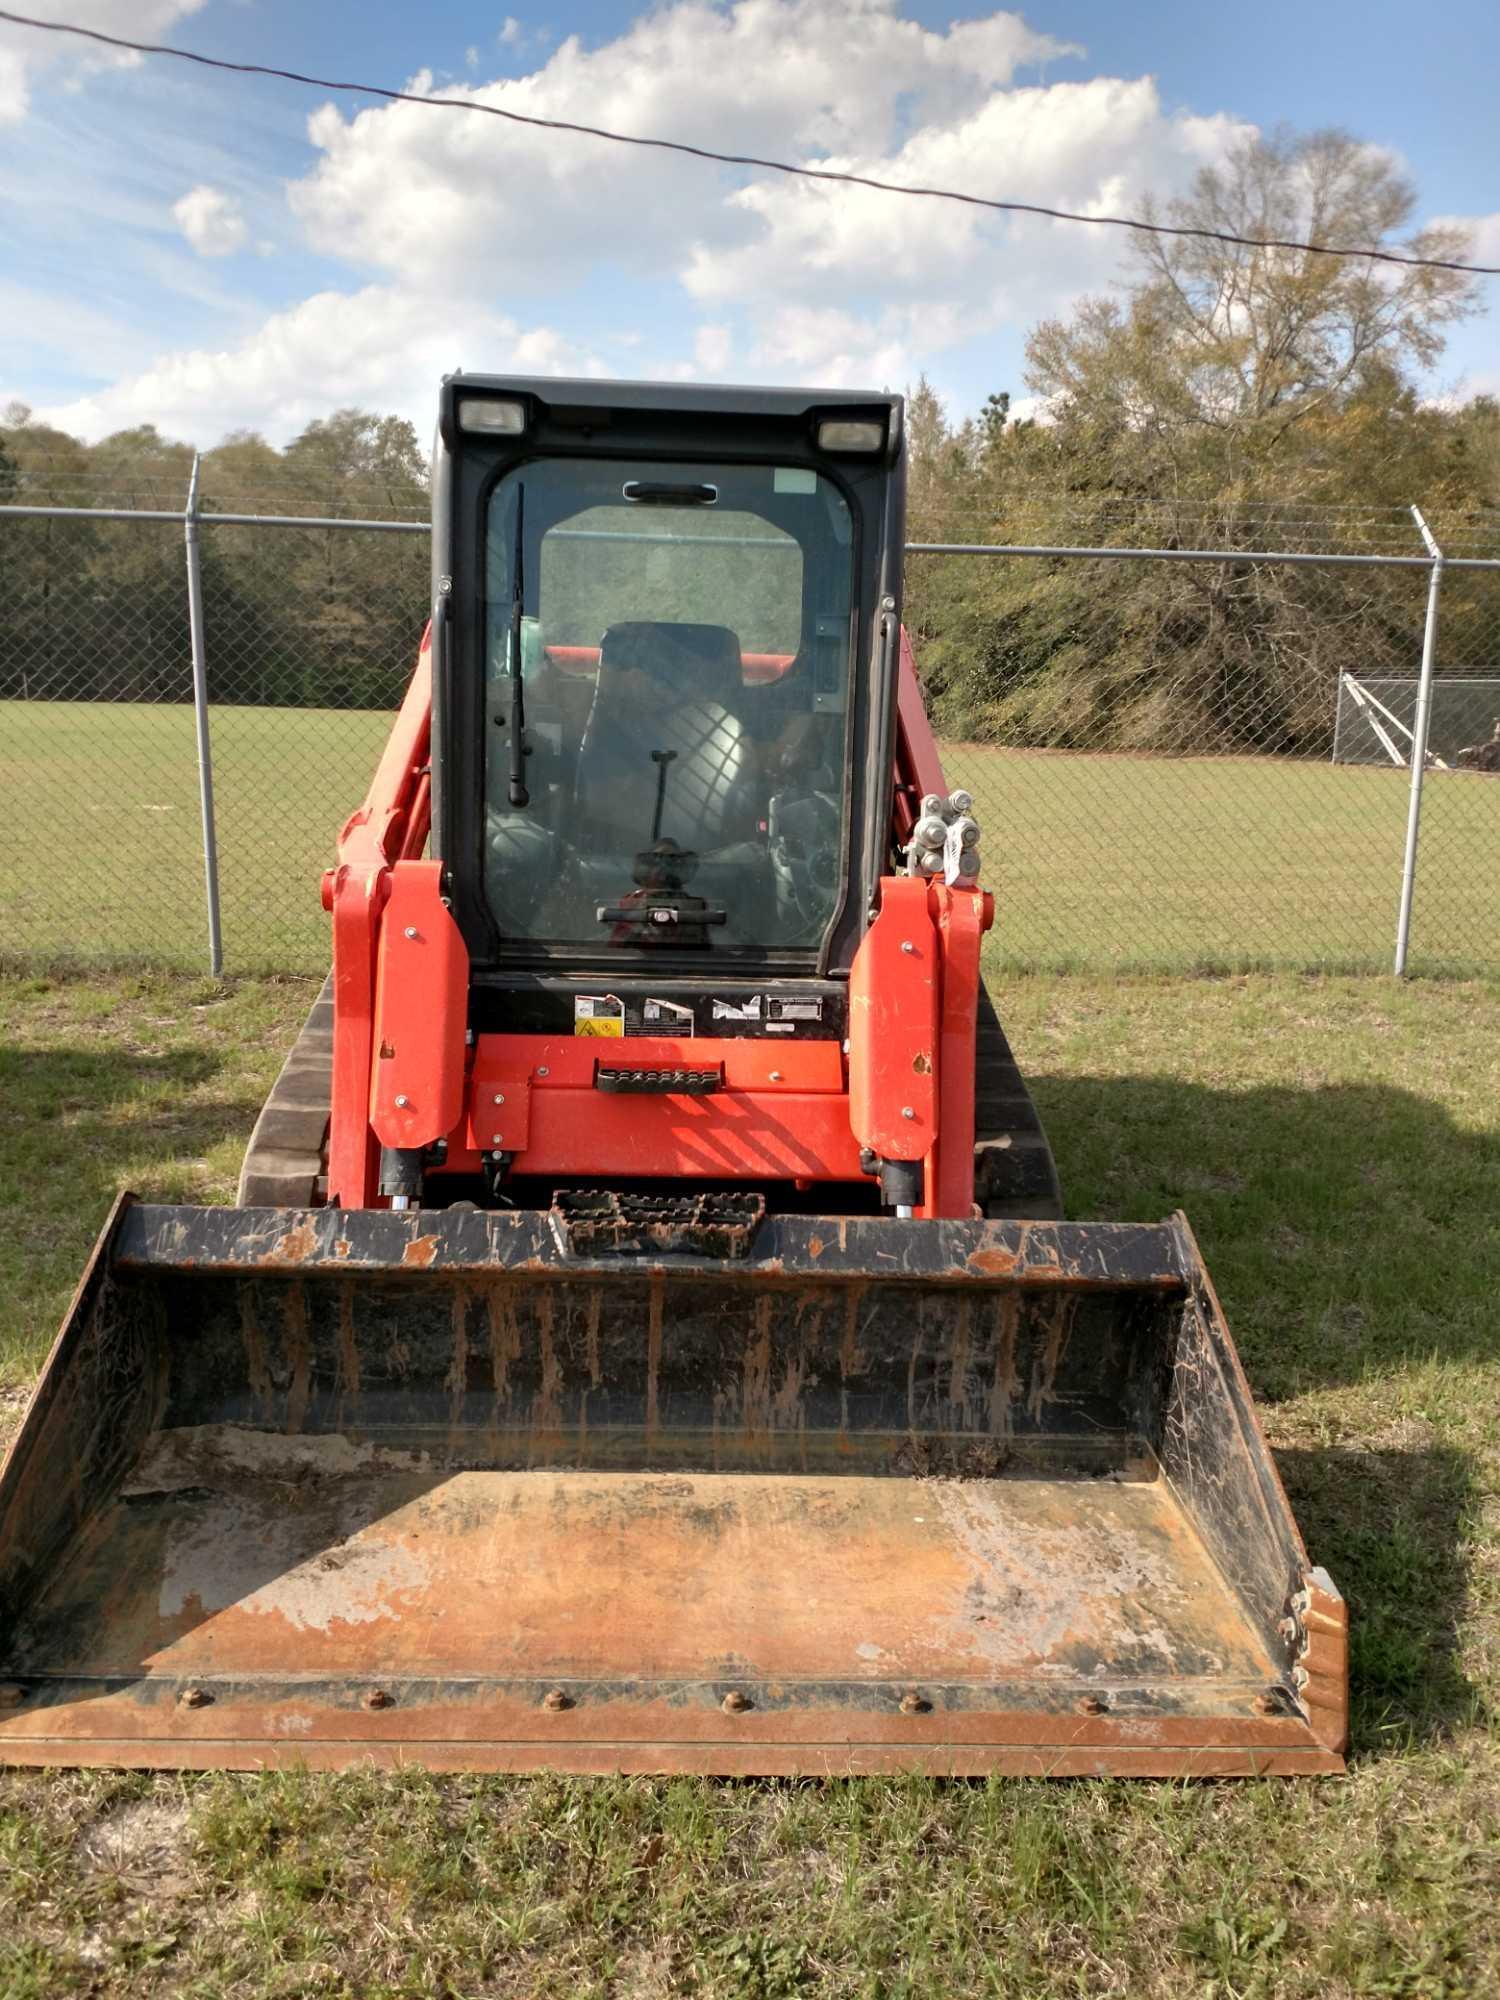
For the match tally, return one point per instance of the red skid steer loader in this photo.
(648, 1338)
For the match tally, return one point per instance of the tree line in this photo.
(1225, 398)
(327, 618)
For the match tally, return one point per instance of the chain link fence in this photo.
(1170, 732)
(303, 674)
(1191, 739)
(307, 635)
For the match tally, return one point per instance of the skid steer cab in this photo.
(673, 943)
(647, 1337)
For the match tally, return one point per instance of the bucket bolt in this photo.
(378, 1698)
(1266, 1704)
(12, 1694)
(195, 1697)
(1092, 1704)
(555, 1701)
(913, 1703)
(735, 1702)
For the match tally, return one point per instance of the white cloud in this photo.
(382, 348)
(26, 51)
(1483, 232)
(398, 185)
(829, 281)
(1093, 147)
(827, 345)
(12, 85)
(211, 221)
(1033, 409)
(712, 346)
(44, 330)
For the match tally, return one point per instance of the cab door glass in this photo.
(683, 638)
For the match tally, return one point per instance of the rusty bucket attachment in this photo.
(320, 1487)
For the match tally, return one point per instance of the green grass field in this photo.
(101, 842)
(1337, 1145)
(1229, 863)
(1100, 863)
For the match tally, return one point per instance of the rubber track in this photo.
(284, 1162)
(1014, 1172)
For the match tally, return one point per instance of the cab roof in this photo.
(709, 398)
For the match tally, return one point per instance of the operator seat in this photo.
(667, 696)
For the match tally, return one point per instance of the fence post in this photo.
(200, 717)
(1419, 743)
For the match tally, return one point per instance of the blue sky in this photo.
(209, 253)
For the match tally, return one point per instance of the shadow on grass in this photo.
(1390, 1527)
(1350, 1233)
(83, 1120)
(1349, 1228)
(81, 1108)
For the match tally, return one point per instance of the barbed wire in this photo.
(271, 479)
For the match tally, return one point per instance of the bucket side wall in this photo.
(100, 1395)
(1215, 1455)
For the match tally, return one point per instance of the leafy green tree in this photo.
(1245, 343)
(355, 459)
(1230, 386)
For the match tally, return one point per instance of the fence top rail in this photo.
(314, 521)
(98, 513)
(216, 520)
(1318, 559)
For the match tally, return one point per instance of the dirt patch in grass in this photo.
(143, 1846)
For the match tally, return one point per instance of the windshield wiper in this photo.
(519, 796)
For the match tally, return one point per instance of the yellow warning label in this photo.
(598, 1014)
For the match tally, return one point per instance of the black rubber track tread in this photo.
(1014, 1171)
(285, 1161)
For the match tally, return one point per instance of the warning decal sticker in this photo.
(680, 1014)
(666, 1017)
(598, 1014)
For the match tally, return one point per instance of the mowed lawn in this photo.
(101, 844)
(1194, 864)
(1336, 1143)
(1100, 863)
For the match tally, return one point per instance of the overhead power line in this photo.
(788, 167)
